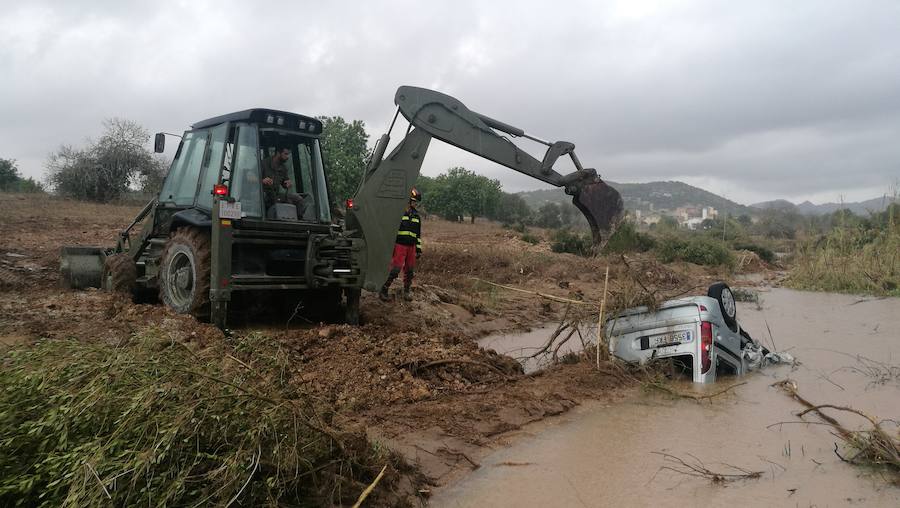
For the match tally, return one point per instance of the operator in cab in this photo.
(277, 182)
(407, 248)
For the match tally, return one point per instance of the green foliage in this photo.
(855, 256)
(153, 175)
(12, 181)
(565, 240)
(723, 228)
(762, 251)
(530, 238)
(460, 192)
(667, 224)
(628, 239)
(344, 152)
(103, 170)
(778, 224)
(693, 249)
(512, 209)
(152, 421)
(9, 173)
(548, 216)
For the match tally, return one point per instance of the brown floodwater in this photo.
(607, 455)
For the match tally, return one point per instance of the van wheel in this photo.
(722, 293)
(184, 274)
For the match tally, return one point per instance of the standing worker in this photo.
(407, 248)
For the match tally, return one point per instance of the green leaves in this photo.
(344, 152)
(460, 192)
(153, 421)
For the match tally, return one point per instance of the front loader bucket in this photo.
(81, 267)
(602, 207)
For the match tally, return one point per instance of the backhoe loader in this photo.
(218, 228)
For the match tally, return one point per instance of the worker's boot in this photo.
(407, 286)
(383, 294)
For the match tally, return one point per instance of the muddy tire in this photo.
(119, 274)
(184, 273)
(722, 293)
(351, 306)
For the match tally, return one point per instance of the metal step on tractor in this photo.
(245, 210)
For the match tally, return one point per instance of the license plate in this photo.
(229, 210)
(668, 339)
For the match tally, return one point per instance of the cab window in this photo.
(180, 186)
(245, 184)
(215, 161)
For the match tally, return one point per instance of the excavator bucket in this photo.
(81, 267)
(602, 207)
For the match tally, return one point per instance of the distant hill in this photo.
(807, 208)
(640, 196)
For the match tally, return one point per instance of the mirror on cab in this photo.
(159, 143)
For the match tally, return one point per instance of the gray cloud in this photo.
(756, 100)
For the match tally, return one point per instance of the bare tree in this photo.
(103, 169)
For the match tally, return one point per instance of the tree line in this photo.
(12, 181)
(119, 163)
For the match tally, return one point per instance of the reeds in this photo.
(156, 422)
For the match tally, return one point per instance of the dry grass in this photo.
(850, 260)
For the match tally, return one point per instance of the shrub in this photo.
(628, 239)
(571, 242)
(152, 422)
(850, 260)
(763, 252)
(530, 238)
(694, 249)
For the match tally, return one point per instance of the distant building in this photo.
(692, 223)
(687, 212)
(709, 212)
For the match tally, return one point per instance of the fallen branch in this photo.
(698, 469)
(370, 488)
(873, 447)
(536, 293)
(693, 396)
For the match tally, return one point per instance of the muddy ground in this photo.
(412, 374)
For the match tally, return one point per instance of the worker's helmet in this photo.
(415, 195)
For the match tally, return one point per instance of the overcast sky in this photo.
(753, 100)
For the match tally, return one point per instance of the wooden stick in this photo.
(542, 295)
(600, 318)
(370, 488)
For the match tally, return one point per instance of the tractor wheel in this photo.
(184, 273)
(119, 274)
(351, 307)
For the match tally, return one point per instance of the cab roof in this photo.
(264, 117)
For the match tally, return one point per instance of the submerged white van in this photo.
(700, 333)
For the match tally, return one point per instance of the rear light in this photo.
(706, 344)
(349, 203)
(703, 308)
(220, 190)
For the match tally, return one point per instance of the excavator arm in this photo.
(386, 185)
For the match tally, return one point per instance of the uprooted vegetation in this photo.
(151, 420)
(875, 447)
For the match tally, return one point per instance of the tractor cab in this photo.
(265, 165)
